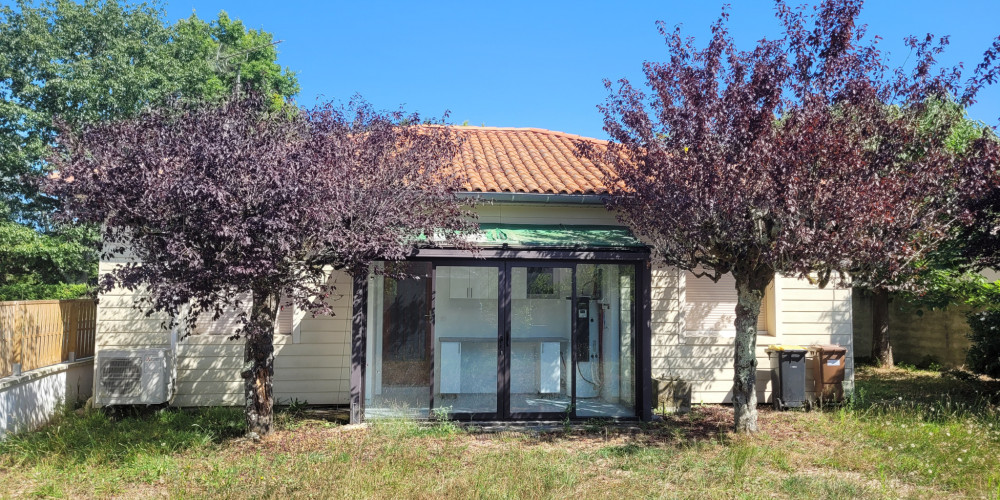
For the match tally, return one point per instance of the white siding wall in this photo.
(314, 369)
(805, 315)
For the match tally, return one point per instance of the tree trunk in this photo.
(750, 287)
(258, 363)
(881, 348)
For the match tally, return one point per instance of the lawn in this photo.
(908, 433)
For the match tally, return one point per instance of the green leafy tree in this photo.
(41, 266)
(103, 60)
(95, 61)
(221, 56)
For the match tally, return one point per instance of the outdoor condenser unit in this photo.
(133, 377)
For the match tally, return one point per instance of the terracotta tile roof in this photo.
(526, 160)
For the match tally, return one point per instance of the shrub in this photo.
(43, 291)
(984, 354)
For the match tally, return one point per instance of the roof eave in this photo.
(541, 198)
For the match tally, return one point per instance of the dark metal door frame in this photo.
(503, 261)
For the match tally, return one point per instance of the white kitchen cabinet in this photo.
(473, 282)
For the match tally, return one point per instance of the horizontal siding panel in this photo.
(329, 377)
(286, 349)
(282, 388)
(213, 363)
(666, 296)
(665, 315)
(663, 343)
(712, 363)
(132, 325)
(133, 339)
(817, 331)
(689, 351)
(209, 387)
(292, 361)
(815, 305)
(762, 340)
(671, 363)
(340, 322)
(332, 373)
(312, 350)
(211, 350)
(307, 386)
(725, 385)
(326, 327)
(336, 337)
(127, 313)
(234, 399)
(664, 280)
(203, 340)
(701, 374)
(816, 317)
(229, 399)
(791, 294)
(119, 298)
(191, 376)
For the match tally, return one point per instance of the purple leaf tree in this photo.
(805, 156)
(237, 206)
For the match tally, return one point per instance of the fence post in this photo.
(70, 331)
(16, 339)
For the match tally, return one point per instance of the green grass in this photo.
(908, 433)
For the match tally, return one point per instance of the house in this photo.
(559, 314)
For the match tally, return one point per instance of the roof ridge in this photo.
(527, 129)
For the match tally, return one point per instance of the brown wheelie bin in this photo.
(828, 372)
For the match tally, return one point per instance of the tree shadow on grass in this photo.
(702, 423)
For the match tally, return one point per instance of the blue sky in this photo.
(540, 63)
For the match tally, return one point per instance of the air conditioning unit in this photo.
(133, 377)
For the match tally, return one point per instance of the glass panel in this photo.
(540, 339)
(466, 314)
(397, 377)
(605, 340)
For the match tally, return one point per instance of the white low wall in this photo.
(29, 400)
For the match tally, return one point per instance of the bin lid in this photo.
(785, 347)
(834, 348)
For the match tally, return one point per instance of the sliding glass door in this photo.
(502, 339)
(540, 325)
(399, 341)
(466, 339)
(605, 340)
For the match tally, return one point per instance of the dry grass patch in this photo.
(879, 446)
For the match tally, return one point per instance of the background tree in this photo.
(100, 60)
(41, 266)
(943, 276)
(94, 61)
(805, 156)
(235, 206)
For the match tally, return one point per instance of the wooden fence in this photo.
(37, 333)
